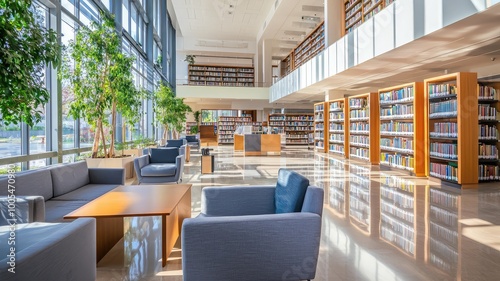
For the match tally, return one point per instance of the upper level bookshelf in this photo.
(358, 11)
(320, 112)
(402, 127)
(452, 122)
(364, 127)
(214, 75)
(307, 49)
(489, 127)
(338, 129)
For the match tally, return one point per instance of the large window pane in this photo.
(68, 27)
(37, 135)
(125, 15)
(88, 12)
(133, 22)
(10, 140)
(69, 5)
(10, 168)
(107, 4)
(37, 164)
(86, 134)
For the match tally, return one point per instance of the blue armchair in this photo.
(193, 142)
(247, 232)
(176, 143)
(161, 165)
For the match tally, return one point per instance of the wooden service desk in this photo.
(258, 144)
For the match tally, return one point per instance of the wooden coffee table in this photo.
(171, 202)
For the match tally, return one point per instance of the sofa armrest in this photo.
(237, 200)
(260, 247)
(313, 200)
(179, 163)
(107, 175)
(27, 209)
(68, 253)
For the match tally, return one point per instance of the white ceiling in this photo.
(233, 23)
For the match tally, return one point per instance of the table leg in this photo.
(108, 232)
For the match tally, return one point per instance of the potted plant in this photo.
(26, 47)
(170, 111)
(100, 76)
(190, 59)
(195, 130)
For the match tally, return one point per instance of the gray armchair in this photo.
(193, 142)
(162, 165)
(241, 235)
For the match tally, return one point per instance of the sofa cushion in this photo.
(36, 182)
(28, 234)
(55, 210)
(68, 177)
(159, 170)
(163, 155)
(290, 191)
(87, 192)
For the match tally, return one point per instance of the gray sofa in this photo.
(63, 187)
(51, 251)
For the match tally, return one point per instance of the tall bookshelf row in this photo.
(227, 125)
(489, 127)
(358, 11)
(213, 75)
(401, 126)
(338, 130)
(297, 127)
(320, 113)
(427, 128)
(307, 49)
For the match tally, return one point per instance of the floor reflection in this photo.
(377, 224)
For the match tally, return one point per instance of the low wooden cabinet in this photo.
(207, 164)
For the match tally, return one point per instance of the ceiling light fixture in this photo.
(311, 18)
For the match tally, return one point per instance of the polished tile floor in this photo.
(377, 224)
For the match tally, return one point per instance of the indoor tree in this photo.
(100, 76)
(170, 110)
(26, 47)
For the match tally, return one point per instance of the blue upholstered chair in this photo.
(192, 141)
(255, 232)
(176, 143)
(161, 165)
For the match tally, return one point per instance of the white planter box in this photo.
(126, 163)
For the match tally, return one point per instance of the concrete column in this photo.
(333, 21)
(267, 62)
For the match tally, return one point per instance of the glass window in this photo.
(88, 12)
(125, 14)
(69, 5)
(10, 168)
(37, 135)
(10, 140)
(37, 164)
(68, 27)
(107, 4)
(86, 134)
(133, 22)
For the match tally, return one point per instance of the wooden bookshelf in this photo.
(249, 113)
(276, 122)
(358, 11)
(214, 75)
(298, 128)
(402, 127)
(364, 132)
(312, 44)
(338, 128)
(451, 113)
(226, 127)
(489, 129)
(320, 127)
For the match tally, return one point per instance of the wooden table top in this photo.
(134, 201)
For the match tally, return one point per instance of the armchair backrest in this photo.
(313, 201)
(176, 143)
(191, 139)
(163, 155)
